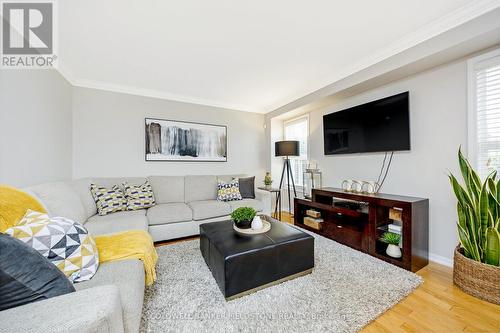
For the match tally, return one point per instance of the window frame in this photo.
(294, 120)
(472, 125)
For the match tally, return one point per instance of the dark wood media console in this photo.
(360, 223)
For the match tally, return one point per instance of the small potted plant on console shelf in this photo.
(392, 241)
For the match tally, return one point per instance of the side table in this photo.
(277, 208)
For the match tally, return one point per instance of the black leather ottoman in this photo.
(243, 264)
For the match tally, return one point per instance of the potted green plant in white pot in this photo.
(243, 217)
(392, 240)
(476, 261)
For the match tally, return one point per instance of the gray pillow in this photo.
(31, 279)
(247, 187)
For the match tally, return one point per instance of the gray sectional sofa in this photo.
(112, 300)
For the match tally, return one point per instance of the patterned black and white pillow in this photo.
(108, 200)
(228, 191)
(139, 196)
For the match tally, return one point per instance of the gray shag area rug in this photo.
(346, 291)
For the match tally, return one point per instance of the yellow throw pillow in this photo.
(13, 205)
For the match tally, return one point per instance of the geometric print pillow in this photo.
(139, 196)
(65, 243)
(228, 191)
(108, 200)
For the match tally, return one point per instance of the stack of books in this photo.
(313, 219)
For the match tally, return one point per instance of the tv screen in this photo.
(378, 126)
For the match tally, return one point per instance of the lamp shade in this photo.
(286, 148)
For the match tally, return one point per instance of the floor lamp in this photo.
(286, 149)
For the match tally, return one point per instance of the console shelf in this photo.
(358, 221)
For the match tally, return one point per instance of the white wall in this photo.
(276, 162)
(109, 136)
(438, 127)
(35, 127)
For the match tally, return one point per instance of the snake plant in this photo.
(478, 209)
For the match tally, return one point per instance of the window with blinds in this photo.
(298, 129)
(484, 112)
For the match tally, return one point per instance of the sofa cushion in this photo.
(255, 204)
(198, 188)
(82, 188)
(60, 199)
(169, 213)
(70, 313)
(207, 209)
(117, 222)
(31, 279)
(167, 189)
(128, 276)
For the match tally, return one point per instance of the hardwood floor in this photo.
(436, 306)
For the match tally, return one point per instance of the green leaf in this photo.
(473, 229)
(390, 238)
(492, 186)
(493, 175)
(493, 206)
(492, 253)
(475, 179)
(462, 162)
(483, 213)
(243, 214)
(462, 196)
(472, 181)
(462, 218)
(498, 190)
(466, 244)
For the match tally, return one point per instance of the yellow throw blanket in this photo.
(13, 205)
(136, 244)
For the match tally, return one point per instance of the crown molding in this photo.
(439, 26)
(453, 19)
(131, 90)
(65, 73)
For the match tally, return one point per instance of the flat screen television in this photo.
(379, 126)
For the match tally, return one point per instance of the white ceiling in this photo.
(246, 55)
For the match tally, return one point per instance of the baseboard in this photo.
(441, 260)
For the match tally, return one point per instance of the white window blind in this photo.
(298, 129)
(485, 75)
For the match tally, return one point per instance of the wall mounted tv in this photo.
(379, 126)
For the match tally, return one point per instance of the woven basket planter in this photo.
(475, 278)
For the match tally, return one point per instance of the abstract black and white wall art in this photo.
(170, 140)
